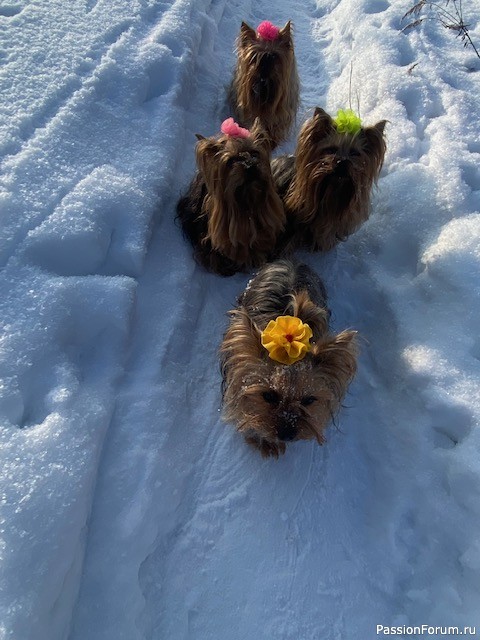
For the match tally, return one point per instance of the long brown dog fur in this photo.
(232, 213)
(271, 403)
(326, 186)
(265, 82)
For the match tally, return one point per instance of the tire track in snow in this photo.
(159, 363)
(32, 129)
(88, 91)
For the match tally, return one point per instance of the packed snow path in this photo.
(129, 510)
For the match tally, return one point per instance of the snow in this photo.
(128, 509)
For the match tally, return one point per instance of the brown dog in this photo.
(326, 186)
(269, 401)
(265, 82)
(232, 214)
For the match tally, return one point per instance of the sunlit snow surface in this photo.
(128, 509)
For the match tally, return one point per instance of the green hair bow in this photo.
(347, 121)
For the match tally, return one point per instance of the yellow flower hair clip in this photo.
(287, 339)
(347, 121)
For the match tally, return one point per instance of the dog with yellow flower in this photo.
(284, 372)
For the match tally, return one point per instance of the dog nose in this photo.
(341, 167)
(287, 431)
(266, 63)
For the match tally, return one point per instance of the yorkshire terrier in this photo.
(265, 82)
(284, 373)
(231, 213)
(326, 185)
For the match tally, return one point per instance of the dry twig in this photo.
(450, 19)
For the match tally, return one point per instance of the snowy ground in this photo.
(128, 510)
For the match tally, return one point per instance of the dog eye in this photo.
(231, 161)
(271, 397)
(307, 400)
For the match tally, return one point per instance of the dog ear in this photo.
(323, 122)
(337, 356)
(321, 113)
(376, 132)
(375, 142)
(323, 116)
(304, 308)
(247, 34)
(380, 126)
(207, 144)
(259, 134)
(242, 340)
(286, 33)
(205, 150)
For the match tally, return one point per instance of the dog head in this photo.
(265, 63)
(335, 171)
(235, 167)
(284, 403)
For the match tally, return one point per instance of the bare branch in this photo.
(451, 21)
